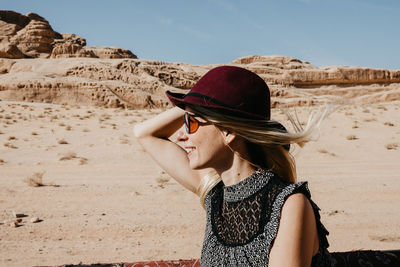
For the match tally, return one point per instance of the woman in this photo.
(256, 214)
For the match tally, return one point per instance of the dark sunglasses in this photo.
(191, 124)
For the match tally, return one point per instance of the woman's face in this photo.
(206, 147)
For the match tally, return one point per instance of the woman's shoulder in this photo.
(294, 199)
(288, 196)
(285, 188)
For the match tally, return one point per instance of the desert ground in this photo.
(98, 197)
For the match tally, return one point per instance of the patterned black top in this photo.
(243, 220)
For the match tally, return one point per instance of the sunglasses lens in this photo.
(191, 124)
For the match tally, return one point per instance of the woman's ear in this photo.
(228, 136)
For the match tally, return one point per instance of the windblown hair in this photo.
(265, 142)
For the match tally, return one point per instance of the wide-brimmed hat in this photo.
(233, 90)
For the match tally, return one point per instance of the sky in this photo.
(362, 33)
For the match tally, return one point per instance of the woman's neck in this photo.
(240, 170)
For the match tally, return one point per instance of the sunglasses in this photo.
(191, 124)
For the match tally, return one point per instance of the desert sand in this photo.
(104, 200)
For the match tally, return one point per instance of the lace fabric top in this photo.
(243, 220)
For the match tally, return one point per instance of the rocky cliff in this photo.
(31, 36)
(41, 65)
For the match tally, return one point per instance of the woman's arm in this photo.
(153, 135)
(297, 238)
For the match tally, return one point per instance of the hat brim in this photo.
(181, 100)
(176, 99)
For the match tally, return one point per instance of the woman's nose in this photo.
(182, 136)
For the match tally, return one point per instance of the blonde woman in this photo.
(257, 215)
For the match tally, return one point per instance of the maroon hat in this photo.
(232, 90)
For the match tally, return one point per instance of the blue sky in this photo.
(324, 32)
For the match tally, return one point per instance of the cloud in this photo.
(184, 28)
(226, 5)
(231, 8)
(195, 33)
(166, 21)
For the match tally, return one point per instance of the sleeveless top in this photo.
(243, 220)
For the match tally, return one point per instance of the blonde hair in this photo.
(207, 183)
(264, 141)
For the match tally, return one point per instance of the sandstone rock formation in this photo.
(67, 71)
(296, 82)
(290, 71)
(72, 45)
(31, 36)
(107, 82)
(141, 83)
